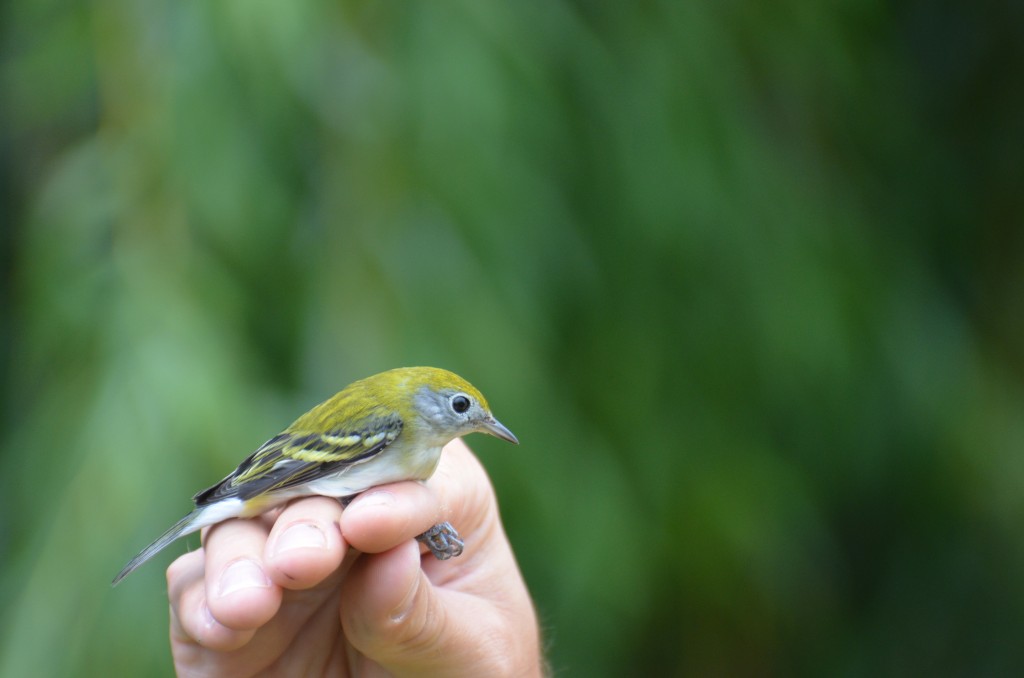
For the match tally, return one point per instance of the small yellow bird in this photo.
(382, 429)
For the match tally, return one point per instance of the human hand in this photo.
(288, 593)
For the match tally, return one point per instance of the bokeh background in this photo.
(745, 278)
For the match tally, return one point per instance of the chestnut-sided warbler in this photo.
(382, 429)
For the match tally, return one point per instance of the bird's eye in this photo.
(460, 403)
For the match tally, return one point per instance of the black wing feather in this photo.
(292, 458)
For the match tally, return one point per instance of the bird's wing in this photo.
(295, 457)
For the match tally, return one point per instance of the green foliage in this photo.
(744, 279)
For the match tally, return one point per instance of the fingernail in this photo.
(402, 610)
(301, 536)
(242, 574)
(208, 620)
(377, 498)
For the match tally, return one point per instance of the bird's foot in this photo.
(442, 540)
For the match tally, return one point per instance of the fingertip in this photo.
(238, 590)
(242, 596)
(193, 623)
(306, 545)
(380, 519)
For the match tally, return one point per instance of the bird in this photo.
(385, 428)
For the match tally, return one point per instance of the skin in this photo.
(314, 590)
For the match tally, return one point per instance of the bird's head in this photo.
(448, 404)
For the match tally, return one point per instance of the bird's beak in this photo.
(498, 430)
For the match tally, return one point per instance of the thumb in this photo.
(397, 619)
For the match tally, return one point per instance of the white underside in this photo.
(392, 465)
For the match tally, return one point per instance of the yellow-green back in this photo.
(380, 395)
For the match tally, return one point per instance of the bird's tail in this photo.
(186, 525)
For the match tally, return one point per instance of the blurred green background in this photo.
(745, 278)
